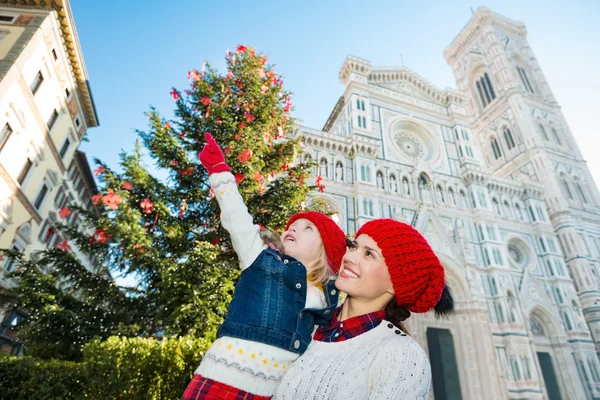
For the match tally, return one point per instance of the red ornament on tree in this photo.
(238, 178)
(64, 213)
(147, 206)
(244, 156)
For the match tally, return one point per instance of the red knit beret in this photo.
(416, 273)
(332, 236)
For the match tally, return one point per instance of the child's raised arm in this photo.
(234, 213)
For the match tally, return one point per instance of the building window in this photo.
(566, 188)
(496, 149)
(358, 104)
(67, 93)
(65, 147)
(566, 321)
(516, 370)
(579, 192)
(556, 137)
(550, 269)
(10, 263)
(364, 119)
(37, 82)
(543, 131)
(8, 18)
(359, 122)
(510, 143)
(52, 119)
(593, 369)
(39, 200)
(77, 122)
(525, 80)
(5, 135)
(527, 370)
(531, 214)
(24, 172)
(485, 89)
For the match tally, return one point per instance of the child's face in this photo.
(302, 241)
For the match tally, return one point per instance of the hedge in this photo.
(117, 368)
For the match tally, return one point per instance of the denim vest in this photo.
(268, 305)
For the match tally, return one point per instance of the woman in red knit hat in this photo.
(364, 352)
(283, 291)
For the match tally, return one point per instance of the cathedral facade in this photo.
(491, 175)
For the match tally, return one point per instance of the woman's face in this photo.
(364, 274)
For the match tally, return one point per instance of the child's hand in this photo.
(212, 157)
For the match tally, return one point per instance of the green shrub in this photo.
(29, 378)
(117, 368)
(140, 368)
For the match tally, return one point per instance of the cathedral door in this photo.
(446, 384)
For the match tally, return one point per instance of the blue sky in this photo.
(135, 51)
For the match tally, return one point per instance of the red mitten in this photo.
(212, 157)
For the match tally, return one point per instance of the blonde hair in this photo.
(318, 272)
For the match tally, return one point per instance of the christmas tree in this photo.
(167, 231)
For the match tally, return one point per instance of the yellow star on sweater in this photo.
(265, 361)
(241, 351)
(253, 356)
(229, 347)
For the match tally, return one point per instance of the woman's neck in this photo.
(354, 307)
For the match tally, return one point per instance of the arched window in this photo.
(359, 122)
(519, 212)
(451, 197)
(510, 143)
(439, 193)
(507, 210)
(516, 370)
(526, 369)
(463, 199)
(496, 206)
(362, 105)
(525, 80)
(358, 104)
(500, 313)
(556, 137)
(558, 294)
(566, 188)
(380, 184)
(364, 122)
(496, 149)
(550, 269)
(485, 89)
(543, 131)
(323, 167)
(593, 369)
(580, 192)
(566, 320)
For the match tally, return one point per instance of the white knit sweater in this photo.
(379, 364)
(247, 365)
